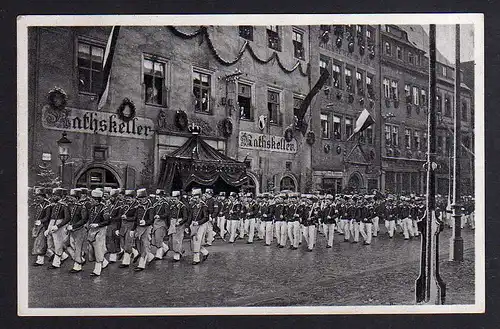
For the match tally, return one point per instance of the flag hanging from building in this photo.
(106, 65)
(364, 121)
(307, 101)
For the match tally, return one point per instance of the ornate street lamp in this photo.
(63, 144)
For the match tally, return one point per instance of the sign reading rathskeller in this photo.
(93, 122)
(255, 141)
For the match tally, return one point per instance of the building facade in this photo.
(251, 77)
(244, 87)
(350, 53)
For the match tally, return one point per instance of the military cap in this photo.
(114, 192)
(249, 195)
(39, 191)
(75, 192)
(84, 190)
(293, 195)
(160, 192)
(130, 192)
(99, 189)
(329, 197)
(97, 193)
(121, 190)
(107, 189)
(313, 197)
(141, 193)
(209, 191)
(176, 193)
(196, 191)
(222, 193)
(58, 191)
(233, 194)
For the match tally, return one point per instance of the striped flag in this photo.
(106, 65)
(364, 121)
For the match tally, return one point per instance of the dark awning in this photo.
(197, 162)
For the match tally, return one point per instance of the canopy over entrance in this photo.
(198, 164)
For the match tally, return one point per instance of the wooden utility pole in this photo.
(429, 288)
(456, 241)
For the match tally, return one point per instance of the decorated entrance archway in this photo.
(355, 183)
(288, 183)
(97, 177)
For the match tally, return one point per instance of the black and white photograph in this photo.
(215, 164)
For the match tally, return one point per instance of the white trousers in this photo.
(280, 232)
(376, 226)
(197, 240)
(407, 225)
(209, 236)
(268, 232)
(354, 229)
(250, 228)
(221, 223)
(293, 229)
(344, 223)
(310, 236)
(366, 231)
(390, 225)
(261, 229)
(232, 227)
(330, 233)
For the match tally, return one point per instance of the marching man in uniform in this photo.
(279, 211)
(179, 218)
(267, 220)
(251, 217)
(311, 219)
(60, 216)
(161, 212)
(97, 224)
(293, 213)
(329, 215)
(77, 233)
(198, 227)
(365, 225)
(113, 234)
(143, 228)
(221, 215)
(127, 228)
(234, 215)
(212, 213)
(42, 208)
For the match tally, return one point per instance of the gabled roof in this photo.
(420, 39)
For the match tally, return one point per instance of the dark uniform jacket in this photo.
(253, 209)
(97, 215)
(144, 212)
(212, 207)
(235, 210)
(60, 212)
(265, 212)
(279, 211)
(179, 210)
(293, 211)
(79, 215)
(329, 214)
(200, 213)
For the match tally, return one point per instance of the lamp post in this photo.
(63, 143)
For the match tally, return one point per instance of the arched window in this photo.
(287, 183)
(97, 177)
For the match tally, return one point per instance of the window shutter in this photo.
(129, 178)
(280, 117)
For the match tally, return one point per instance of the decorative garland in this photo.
(288, 134)
(121, 109)
(57, 98)
(181, 120)
(204, 32)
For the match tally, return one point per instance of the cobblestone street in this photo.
(255, 275)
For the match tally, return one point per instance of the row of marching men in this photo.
(114, 223)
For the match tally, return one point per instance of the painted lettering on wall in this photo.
(255, 141)
(93, 122)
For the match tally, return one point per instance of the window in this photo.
(416, 140)
(369, 35)
(97, 177)
(424, 142)
(287, 183)
(443, 68)
(440, 144)
(348, 80)
(273, 38)
(407, 138)
(288, 165)
(387, 48)
(201, 92)
(369, 135)
(337, 82)
(325, 126)
(348, 127)
(399, 53)
(323, 65)
(417, 59)
(394, 90)
(245, 101)
(464, 111)
(154, 81)
(359, 83)
(386, 88)
(411, 60)
(438, 104)
(447, 106)
(337, 129)
(298, 45)
(423, 97)
(408, 93)
(246, 31)
(100, 153)
(415, 96)
(448, 145)
(273, 106)
(395, 135)
(331, 185)
(359, 30)
(297, 103)
(369, 86)
(387, 135)
(350, 31)
(90, 58)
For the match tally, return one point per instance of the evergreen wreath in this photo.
(57, 93)
(181, 120)
(288, 134)
(227, 127)
(121, 109)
